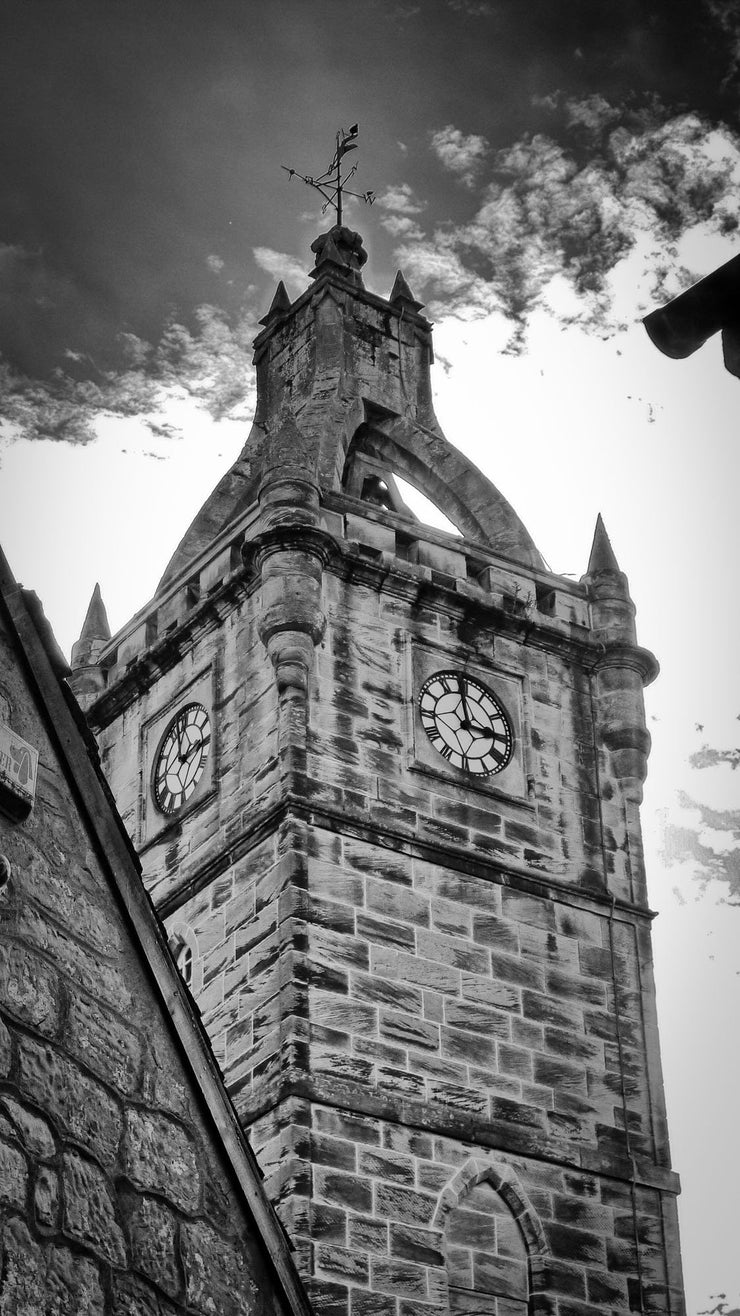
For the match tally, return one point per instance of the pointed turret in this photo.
(401, 294)
(279, 306)
(87, 678)
(602, 556)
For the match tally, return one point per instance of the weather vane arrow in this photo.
(331, 184)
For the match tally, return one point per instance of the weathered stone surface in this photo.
(159, 1155)
(23, 1278)
(34, 1132)
(6, 1050)
(153, 1235)
(13, 1175)
(73, 1285)
(104, 1043)
(89, 1213)
(29, 987)
(84, 1108)
(217, 1275)
(46, 1197)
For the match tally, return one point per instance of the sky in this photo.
(545, 175)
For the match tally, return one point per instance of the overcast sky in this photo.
(546, 174)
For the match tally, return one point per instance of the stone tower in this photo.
(384, 782)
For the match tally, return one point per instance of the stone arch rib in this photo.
(427, 460)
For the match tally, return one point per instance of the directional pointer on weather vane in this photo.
(331, 184)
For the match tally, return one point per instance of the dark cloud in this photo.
(558, 209)
(141, 173)
(212, 365)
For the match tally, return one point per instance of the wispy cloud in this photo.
(551, 213)
(462, 155)
(282, 266)
(401, 199)
(210, 364)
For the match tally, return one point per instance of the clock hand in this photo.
(466, 711)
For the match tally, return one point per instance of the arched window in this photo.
(487, 1261)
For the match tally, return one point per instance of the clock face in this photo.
(466, 723)
(182, 758)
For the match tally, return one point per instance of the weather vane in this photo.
(330, 184)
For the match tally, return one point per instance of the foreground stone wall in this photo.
(115, 1196)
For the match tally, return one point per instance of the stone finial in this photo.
(279, 306)
(342, 248)
(401, 294)
(94, 635)
(602, 557)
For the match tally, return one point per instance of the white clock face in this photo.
(182, 758)
(466, 723)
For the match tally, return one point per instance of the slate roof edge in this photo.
(78, 758)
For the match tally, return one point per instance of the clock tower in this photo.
(384, 782)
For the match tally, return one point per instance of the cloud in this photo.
(725, 14)
(461, 155)
(400, 199)
(399, 204)
(215, 264)
(210, 364)
(281, 266)
(552, 210)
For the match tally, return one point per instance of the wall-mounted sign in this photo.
(18, 767)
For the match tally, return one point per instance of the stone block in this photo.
(576, 1244)
(470, 1048)
(29, 988)
(46, 1197)
(393, 1202)
(34, 1132)
(335, 1152)
(346, 1190)
(153, 1234)
(342, 1124)
(401, 1278)
(428, 973)
(343, 1263)
(398, 902)
(503, 1276)
(73, 1284)
(423, 1246)
(327, 1223)
(474, 1018)
(452, 951)
(499, 933)
(409, 1030)
(217, 1271)
(83, 1107)
(159, 1156)
(103, 1043)
(364, 1303)
(13, 1176)
(386, 931)
(390, 1166)
(383, 991)
(89, 1214)
(370, 1235)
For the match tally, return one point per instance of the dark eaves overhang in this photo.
(709, 307)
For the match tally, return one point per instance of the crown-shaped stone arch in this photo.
(425, 459)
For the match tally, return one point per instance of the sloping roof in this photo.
(34, 643)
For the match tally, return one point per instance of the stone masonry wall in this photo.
(114, 1200)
